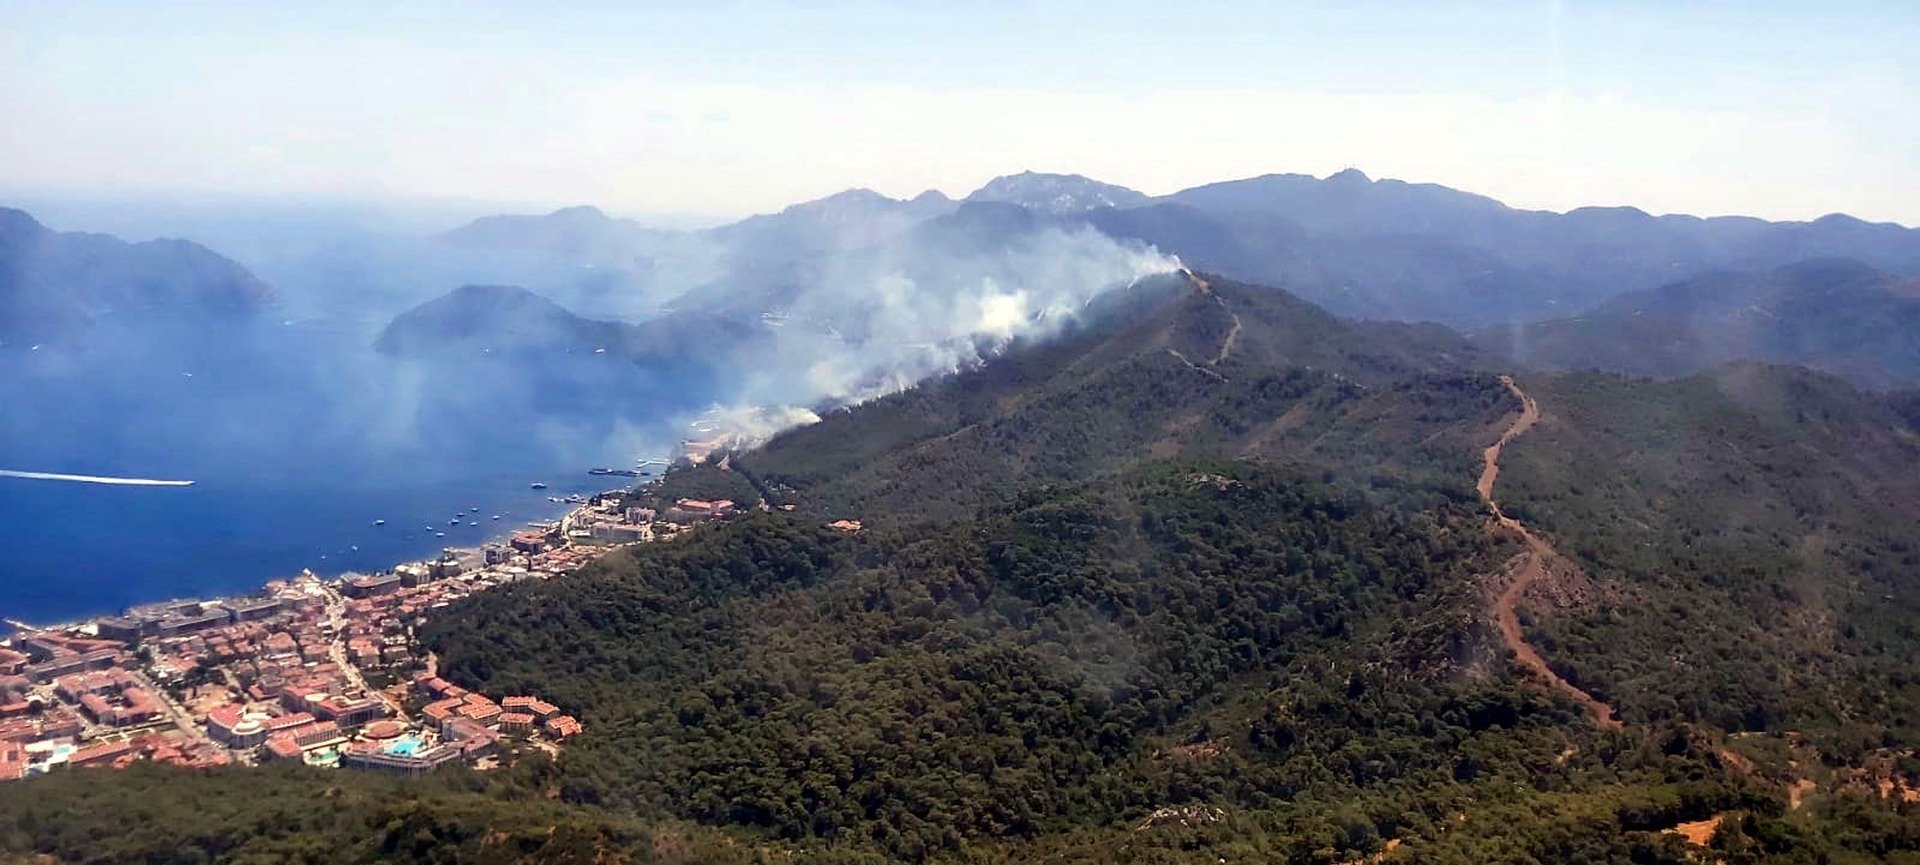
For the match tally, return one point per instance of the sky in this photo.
(720, 109)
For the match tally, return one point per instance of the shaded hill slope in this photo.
(1218, 369)
(495, 318)
(1072, 672)
(54, 284)
(1834, 315)
(510, 321)
(1747, 537)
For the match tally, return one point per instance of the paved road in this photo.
(175, 712)
(337, 616)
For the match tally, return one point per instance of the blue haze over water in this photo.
(84, 549)
(297, 437)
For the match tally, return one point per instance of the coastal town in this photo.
(322, 671)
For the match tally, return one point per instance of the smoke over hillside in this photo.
(794, 321)
(871, 324)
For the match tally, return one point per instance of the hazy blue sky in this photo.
(1779, 110)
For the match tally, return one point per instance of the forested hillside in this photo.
(1750, 541)
(164, 815)
(1221, 369)
(887, 676)
(54, 285)
(1211, 656)
(1208, 579)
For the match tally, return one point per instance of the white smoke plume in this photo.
(872, 324)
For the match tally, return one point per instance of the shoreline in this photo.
(11, 626)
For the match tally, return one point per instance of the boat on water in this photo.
(379, 522)
(630, 473)
(537, 486)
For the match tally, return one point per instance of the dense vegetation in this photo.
(1232, 371)
(1750, 535)
(1205, 581)
(292, 814)
(1217, 638)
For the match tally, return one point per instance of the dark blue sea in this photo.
(297, 438)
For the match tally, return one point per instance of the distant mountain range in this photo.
(1364, 248)
(55, 284)
(1394, 250)
(861, 268)
(1383, 249)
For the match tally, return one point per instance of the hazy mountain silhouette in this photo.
(1835, 315)
(1389, 249)
(1057, 193)
(55, 284)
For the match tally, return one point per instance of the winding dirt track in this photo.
(1226, 344)
(1531, 568)
(1233, 334)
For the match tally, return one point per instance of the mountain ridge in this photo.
(1364, 247)
(57, 284)
(1836, 315)
(1058, 194)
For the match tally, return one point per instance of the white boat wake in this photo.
(93, 479)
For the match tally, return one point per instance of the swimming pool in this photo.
(324, 758)
(406, 746)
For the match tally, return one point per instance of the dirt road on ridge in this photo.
(1201, 286)
(1532, 566)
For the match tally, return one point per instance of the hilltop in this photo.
(1216, 557)
(1056, 193)
(1176, 366)
(56, 284)
(486, 318)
